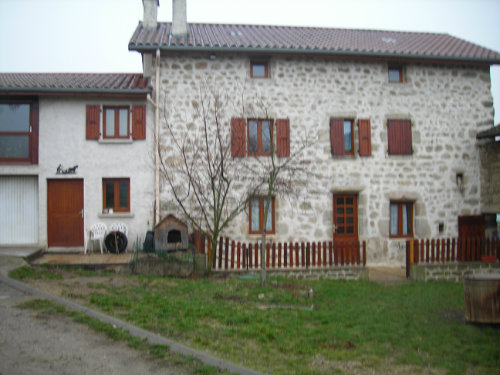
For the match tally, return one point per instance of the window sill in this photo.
(116, 215)
(116, 141)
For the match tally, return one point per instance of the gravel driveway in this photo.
(31, 343)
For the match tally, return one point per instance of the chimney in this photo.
(149, 20)
(179, 18)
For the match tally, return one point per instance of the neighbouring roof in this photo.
(70, 83)
(490, 133)
(309, 40)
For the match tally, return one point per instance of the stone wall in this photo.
(450, 271)
(490, 176)
(447, 106)
(337, 273)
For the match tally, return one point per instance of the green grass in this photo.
(345, 327)
(158, 352)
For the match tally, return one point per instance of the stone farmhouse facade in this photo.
(394, 118)
(74, 151)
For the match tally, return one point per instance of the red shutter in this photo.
(365, 142)
(93, 122)
(337, 136)
(283, 138)
(139, 121)
(238, 126)
(34, 133)
(399, 137)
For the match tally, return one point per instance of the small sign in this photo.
(61, 170)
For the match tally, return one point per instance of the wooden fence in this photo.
(445, 250)
(231, 255)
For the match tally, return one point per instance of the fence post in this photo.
(297, 255)
(238, 258)
(279, 254)
(407, 258)
(313, 254)
(257, 252)
(364, 253)
(427, 244)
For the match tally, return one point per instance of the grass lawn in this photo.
(284, 328)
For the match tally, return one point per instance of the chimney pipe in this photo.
(149, 19)
(179, 18)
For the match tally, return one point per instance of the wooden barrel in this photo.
(482, 298)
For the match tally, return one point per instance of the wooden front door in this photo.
(345, 217)
(65, 213)
(471, 226)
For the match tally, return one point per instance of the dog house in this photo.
(171, 234)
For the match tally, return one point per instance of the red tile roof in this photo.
(308, 40)
(110, 83)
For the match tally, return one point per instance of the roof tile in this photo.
(313, 40)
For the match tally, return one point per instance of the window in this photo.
(259, 69)
(255, 137)
(395, 73)
(341, 136)
(399, 137)
(19, 131)
(401, 221)
(345, 216)
(116, 194)
(259, 137)
(257, 215)
(116, 120)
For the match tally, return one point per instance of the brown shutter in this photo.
(93, 122)
(283, 138)
(238, 126)
(399, 137)
(365, 142)
(139, 121)
(337, 136)
(34, 133)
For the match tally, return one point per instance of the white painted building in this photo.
(74, 151)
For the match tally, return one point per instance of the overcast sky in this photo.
(93, 35)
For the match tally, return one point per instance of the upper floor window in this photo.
(395, 73)
(116, 194)
(257, 207)
(256, 137)
(116, 122)
(401, 220)
(259, 137)
(399, 137)
(341, 136)
(19, 131)
(259, 69)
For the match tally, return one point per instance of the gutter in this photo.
(57, 90)
(376, 55)
(155, 103)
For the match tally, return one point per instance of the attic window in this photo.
(259, 69)
(395, 73)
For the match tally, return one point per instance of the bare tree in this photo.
(198, 167)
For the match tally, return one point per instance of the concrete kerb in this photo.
(135, 331)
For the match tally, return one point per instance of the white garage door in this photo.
(18, 210)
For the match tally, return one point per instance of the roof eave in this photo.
(378, 55)
(63, 91)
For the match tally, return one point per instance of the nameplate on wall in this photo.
(62, 170)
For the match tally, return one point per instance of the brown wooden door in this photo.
(65, 212)
(471, 226)
(345, 217)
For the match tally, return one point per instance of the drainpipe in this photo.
(155, 103)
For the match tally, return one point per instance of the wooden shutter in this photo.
(34, 133)
(93, 122)
(365, 142)
(399, 137)
(139, 121)
(337, 136)
(238, 126)
(283, 138)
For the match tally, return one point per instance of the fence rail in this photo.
(231, 255)
(445, 250)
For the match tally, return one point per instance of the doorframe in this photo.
(346, 237)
